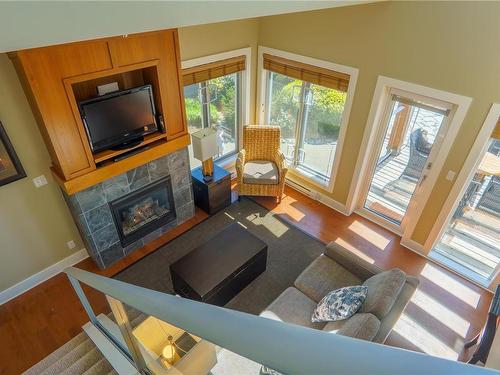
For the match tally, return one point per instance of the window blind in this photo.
(496, 131)
(413, 103)
(305, 72)
(213, 70)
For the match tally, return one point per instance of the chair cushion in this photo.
(322, 276)
(294, 307)
(422, 143)
(383, 290)
(340, 304)
(359, 326)
(260, 172)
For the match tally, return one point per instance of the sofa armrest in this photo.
(280, 160)
(390, 320)
(240, 162)
(347, 259)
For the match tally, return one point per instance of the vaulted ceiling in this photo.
(27, 24)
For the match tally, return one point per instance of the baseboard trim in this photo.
(332, 203)
(39, 277)
(317, 196)
(413, 246)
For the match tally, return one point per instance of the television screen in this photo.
(119, 117)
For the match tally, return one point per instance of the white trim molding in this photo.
(465, 176)
(364, 164)
(316, 195)
(39, 277)
(246, 74)
(353, 78)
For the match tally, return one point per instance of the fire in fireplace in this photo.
(143, 211)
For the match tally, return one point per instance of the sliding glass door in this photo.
(470, 243)
(310, 117)
(410, 133)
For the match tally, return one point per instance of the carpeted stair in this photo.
(79, 356)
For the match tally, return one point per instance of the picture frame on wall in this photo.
(10, 166)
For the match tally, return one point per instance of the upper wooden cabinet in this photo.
(56, 78)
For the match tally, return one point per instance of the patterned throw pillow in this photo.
(340, 304)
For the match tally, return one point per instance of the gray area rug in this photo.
(290, 251)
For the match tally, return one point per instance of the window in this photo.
(411, 126)
(212, 94)
(470, 242)
(308, 103)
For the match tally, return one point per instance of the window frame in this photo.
(461, 183)
(381, 99)
(262, 109)
(243, 100)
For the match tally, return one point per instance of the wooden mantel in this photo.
(56, 78)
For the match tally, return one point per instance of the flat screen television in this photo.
(119, 120)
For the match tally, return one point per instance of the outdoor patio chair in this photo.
(420, 149)
(490, 201)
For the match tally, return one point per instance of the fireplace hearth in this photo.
(124, 213)
(139, 213)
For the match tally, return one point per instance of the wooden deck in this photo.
(390, 194)
(466, 245)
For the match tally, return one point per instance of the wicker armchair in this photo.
(260, 166)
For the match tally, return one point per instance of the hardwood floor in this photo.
(41, 320)
(445, 310)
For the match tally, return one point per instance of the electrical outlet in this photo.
(71, 244)
(450, 176)
(40, 181)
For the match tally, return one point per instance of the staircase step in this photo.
(56, 355)
(101, 367)
(70, 358)
(84, 363)
(138, 320)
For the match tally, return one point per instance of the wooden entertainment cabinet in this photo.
(56, 78)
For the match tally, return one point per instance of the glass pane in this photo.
(99, 304)
(410, 134)
(168, 349)
(223, 109)
(471, 241)
(284, 104)
(194, 115)
(322, 118)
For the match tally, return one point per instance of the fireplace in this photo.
(104, 213)
(141, 212)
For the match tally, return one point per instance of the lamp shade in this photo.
(204, 144)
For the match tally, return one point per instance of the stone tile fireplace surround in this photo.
(92, 213)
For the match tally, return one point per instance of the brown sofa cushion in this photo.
(292, 306)
(322, 276)
(360, 326)
(383, 290)
(260, 172)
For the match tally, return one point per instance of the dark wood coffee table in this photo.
(217, 270)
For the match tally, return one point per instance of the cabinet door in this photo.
(161, 46)
(68, 146)
(80, 58)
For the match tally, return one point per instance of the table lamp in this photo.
(168, 352)
(205, 148)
